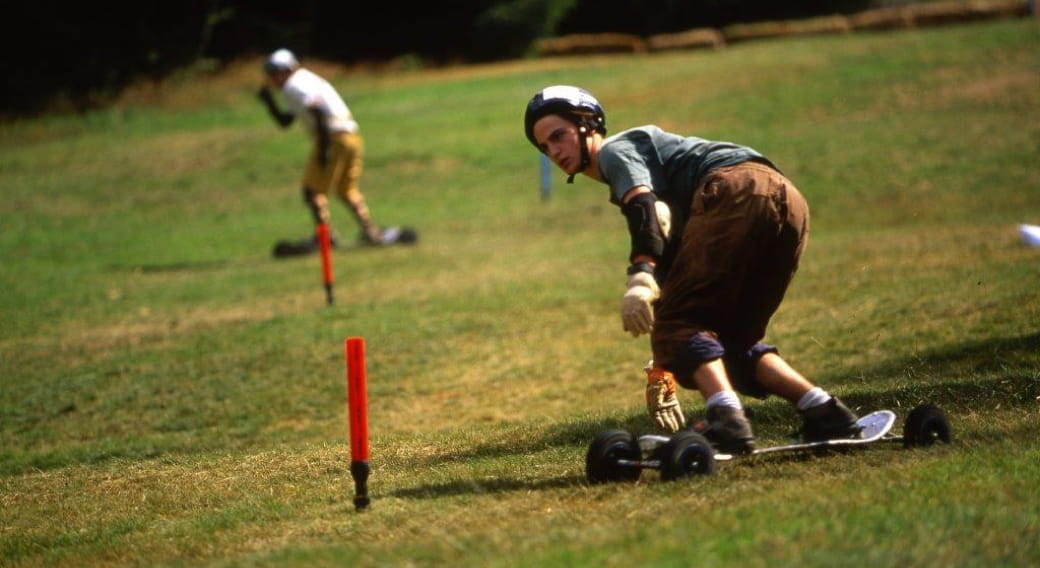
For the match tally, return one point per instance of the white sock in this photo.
(815, 397)
(725, 399)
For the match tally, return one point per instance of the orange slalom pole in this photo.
(357, 406)
(325, 245)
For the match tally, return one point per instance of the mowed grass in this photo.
(171, 395)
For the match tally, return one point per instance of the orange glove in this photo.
(661, 401)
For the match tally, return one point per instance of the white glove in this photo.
(661, 401)
(637, 310)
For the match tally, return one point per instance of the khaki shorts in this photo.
(740, 248)
(341, 174)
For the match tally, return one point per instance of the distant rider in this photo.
(335, 162)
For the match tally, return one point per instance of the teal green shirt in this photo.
(669, 164)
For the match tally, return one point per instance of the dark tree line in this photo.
(81, 53)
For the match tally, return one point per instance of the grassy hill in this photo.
(173, 396)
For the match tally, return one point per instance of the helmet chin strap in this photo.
(583, 142)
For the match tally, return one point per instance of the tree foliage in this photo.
(81, 53)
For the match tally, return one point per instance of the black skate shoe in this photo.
(391, 236)
(831, 420)
(729, 430)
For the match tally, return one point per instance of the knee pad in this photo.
(741, 369)
(701, 348)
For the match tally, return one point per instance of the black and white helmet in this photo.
(573, 103)
(281, 60)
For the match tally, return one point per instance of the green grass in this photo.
(173, 396)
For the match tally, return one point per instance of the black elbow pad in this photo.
(643, 226)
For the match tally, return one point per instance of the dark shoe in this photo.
(390, 236)
(729, 431)
(400, 235)
(365, 239)
(831, 420)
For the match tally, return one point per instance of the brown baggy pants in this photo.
(740, 248)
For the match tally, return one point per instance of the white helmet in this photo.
(573, 103)
(281, 60)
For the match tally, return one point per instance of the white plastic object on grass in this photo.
(1030, 235)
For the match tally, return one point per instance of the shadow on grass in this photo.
(487, 486)
(1003, 373)
(206, 265)
(969, 376)
(198, 266)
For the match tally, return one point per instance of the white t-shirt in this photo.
(305, 90)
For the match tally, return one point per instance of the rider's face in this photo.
(558, 138)
(278, 78)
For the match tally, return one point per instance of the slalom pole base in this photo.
(359, 470)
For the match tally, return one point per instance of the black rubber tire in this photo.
(926, 425)
(601, 462)
(289, 249)
(408, 236)
(686, 454)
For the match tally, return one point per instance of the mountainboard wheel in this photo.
(601, 462)
(926, 425)
(286, 248)
(408, 236)
(687, 454)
